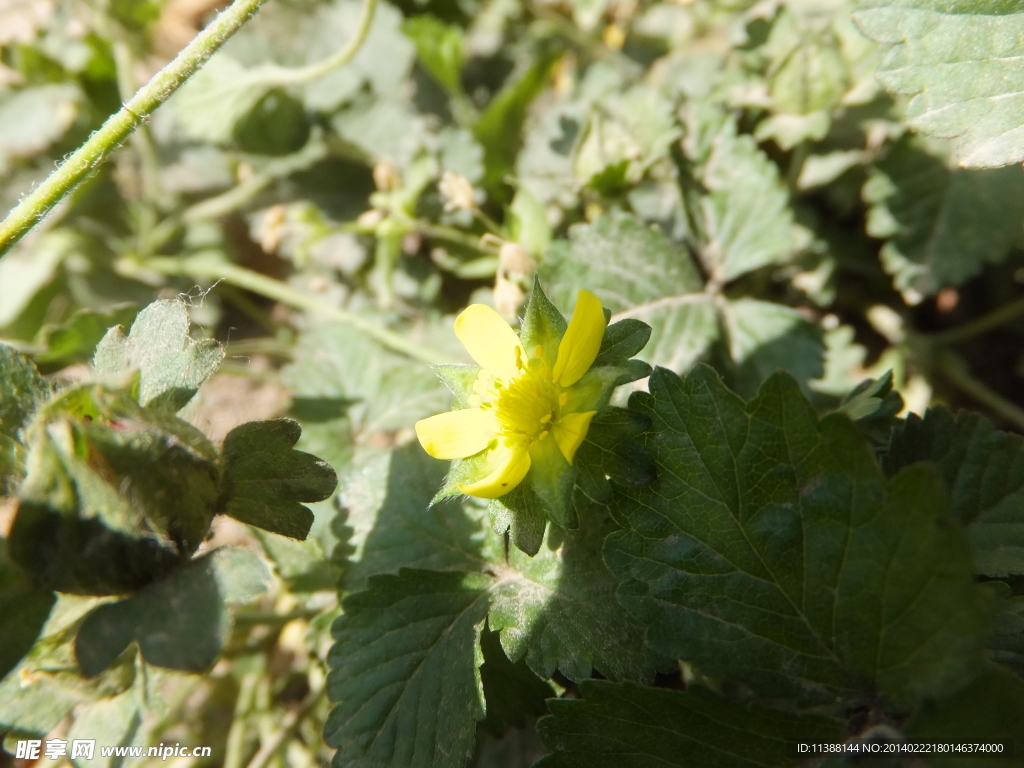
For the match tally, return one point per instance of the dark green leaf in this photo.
(771, 551)
(983, 469)
(24, 608)
(624, 725)
(557, 609)
(406, 671)
(179, 622)
(171, 364)
(622, 340)
(264, 478)
(515, 695)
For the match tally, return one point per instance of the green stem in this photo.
(983, 324)
(116, 129)
(290, 725)
(954, 370)
(215, 269)
(284, 76)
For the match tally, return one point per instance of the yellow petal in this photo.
(457, 434)
(508, 466)
(581, 342)
(569, 432)
(489, 340)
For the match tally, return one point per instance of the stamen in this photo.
(563, 398)
(542, 435)
(545, 418)
(538, 351)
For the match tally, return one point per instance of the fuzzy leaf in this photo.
(179, 622)
(771, 551)
(941, 225)
(24, 607)
(22, 390)
(171, 364)
(983, 469)
(265, 478)
(638, 273)
(557, 609)
(624, 725)
(406, 671)
(962, 63)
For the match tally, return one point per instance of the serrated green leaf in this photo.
(75, 339)
(557, 609)
(171, 364)
(624, 725)
(764, 336)
(638, 273)
(622, 340)
(941, 225)
(961, 63)
(388, 497)
(406, 671)
(983, 469)
(771, 551)
(180, 622)
(1007, 643)
(747, 216)
(264, 478)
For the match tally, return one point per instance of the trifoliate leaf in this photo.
(179, 622)
(264, 478)
(557, 609)
(983, 469)
(962, 65)
(388, 498)
(941, 225)
(625, 724)
(747, 216)
(406, 671)
(637, 272)
(771, 551)
(171, 364)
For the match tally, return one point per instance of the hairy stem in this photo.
(117, 128)
(240, 277)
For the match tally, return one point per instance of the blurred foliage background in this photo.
(730, 172)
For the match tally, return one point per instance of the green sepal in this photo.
(621, 341)
(520, 514)
(552, 478)
(543, 326)
(459, 379)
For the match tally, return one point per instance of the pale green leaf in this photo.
(963, 63)
(172, 365)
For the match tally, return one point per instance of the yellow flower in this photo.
(527, 407)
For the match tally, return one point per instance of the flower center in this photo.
(527, 406)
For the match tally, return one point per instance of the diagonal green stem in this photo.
(240, 277)
(116, 129)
